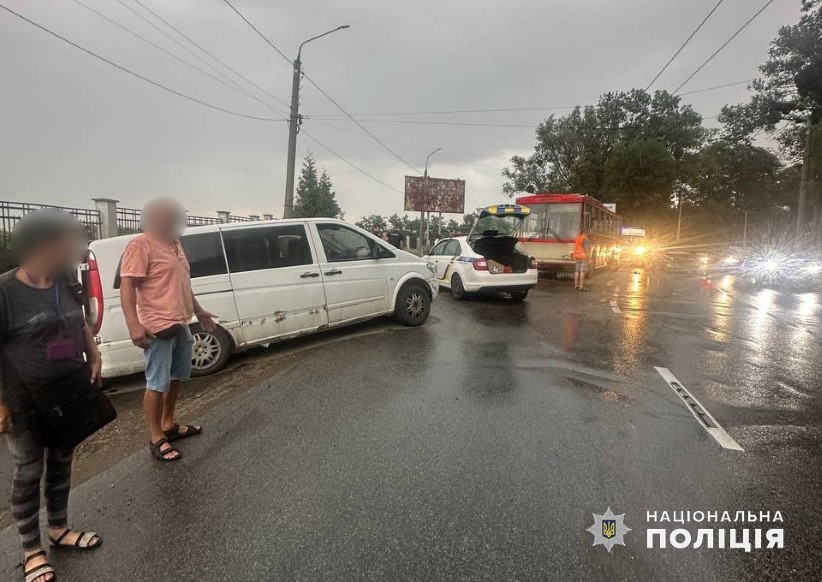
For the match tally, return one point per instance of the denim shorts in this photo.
(168, 359)
(581, 266)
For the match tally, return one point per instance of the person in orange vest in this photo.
(580, 256)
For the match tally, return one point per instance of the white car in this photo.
(267, 281)
(487, 260)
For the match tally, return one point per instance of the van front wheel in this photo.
(210, 350)
(413, 304)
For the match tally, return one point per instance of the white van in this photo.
(272, 280)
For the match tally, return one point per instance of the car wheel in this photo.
(519, 296)
(413, 304)
(210, 351)
(457, 288)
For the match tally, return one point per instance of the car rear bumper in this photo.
(502, 282)
(504, 289)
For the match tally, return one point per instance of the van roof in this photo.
(118, 240)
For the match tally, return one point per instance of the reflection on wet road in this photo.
(478, 446)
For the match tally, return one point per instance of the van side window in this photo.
(269, 247)
(345, 244)
(205, 254)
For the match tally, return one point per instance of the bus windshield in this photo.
(555, 220)
(492, 225)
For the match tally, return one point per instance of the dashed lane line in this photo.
(701, 414)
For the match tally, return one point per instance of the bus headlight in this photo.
(639, 251)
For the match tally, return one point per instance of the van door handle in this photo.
(333, 272)
(308, 275)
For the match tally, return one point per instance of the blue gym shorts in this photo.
(168, 359)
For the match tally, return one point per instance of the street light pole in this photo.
(424, 230)
(294, 126)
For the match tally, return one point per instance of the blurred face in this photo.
(165, 220)
(62, 254)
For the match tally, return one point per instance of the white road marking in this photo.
(609, 283)
(701, 414)
(616, 309)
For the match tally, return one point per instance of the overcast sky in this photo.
(73, 128)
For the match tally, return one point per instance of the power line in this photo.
(360, 170)
(260, 34)
(180, 44)
(171, 54)
(132, 73)
(360, 125)
(189, 39)
(684, 44)
(425, 122)
(715, 87)
(399, 143)
(724, 44)
(448, 112)
(321, 90)
(335, 116)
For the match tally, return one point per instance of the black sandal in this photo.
(37, 571)
(83, 542)
(174, 434)
(161, 455)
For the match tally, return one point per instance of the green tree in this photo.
(369, 222)
(789, 94)
(630, 148)
(315, 193)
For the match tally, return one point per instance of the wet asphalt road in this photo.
(478, 446)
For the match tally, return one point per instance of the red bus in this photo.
(556, 220)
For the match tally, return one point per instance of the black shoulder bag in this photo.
(66, 412)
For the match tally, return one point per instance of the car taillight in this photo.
(94, 291)
(534, 264)
(480, 264)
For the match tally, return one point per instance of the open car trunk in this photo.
(500, 251)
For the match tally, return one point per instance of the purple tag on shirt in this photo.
(60, 349)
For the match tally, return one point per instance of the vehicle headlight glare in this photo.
(814, 269)
(639, 250)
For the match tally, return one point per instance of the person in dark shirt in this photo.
(395, 237)
(43, 338)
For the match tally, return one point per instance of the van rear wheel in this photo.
(210, 351)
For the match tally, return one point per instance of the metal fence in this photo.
(11, 212)
(128, 221)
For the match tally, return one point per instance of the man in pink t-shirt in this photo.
(158, 303)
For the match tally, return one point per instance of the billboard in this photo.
(434, 195)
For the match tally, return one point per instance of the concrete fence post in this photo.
(223, 215)
(107, 207)
(268, 217)
(254, 216)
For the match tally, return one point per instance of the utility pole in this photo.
(294, 121)
(745, 231)
(803, 180)
(424, 230)
(293, 128)
(679, 220)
